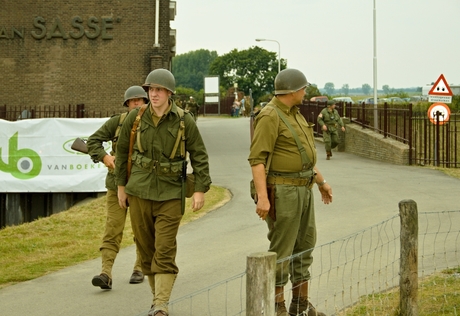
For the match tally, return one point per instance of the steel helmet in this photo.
(135, 92)
(160, 78)
(289, 80)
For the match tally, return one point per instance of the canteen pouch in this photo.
(189, 185)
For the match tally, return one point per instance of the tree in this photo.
(189, 69)
(386, 89)
(254, 68)
(345, 89)
(366, 88)
(311, 91)
(329, 87)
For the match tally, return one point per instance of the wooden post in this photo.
(408, 279)
(260, 284)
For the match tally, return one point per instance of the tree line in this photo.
(253, 71)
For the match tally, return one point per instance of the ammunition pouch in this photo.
(169, 169)
(143, 162)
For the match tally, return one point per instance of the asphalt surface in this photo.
(214, 248)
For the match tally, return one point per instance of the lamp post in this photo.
(376, 113)
(279, 50)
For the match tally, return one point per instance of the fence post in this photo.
(260, 284)
(408, 274)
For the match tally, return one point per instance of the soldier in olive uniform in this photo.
(283, 143)
(193, 107)
(154, 188)
(135, 96)
(330, 120)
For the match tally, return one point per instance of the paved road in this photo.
(214, 248)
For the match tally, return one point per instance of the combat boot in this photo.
(328, 155)
(300, 305)
(104, 280)
(280, 306)
(163, 287)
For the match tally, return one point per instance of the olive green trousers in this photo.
(293, 233)
(155, 225)
(113, 234)
(331, 140)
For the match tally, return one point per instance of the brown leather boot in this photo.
(328, 155)
(280, 306)
(300, 304)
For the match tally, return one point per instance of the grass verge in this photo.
(48, 244)
(438, 294)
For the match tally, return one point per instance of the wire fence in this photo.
(362, 268)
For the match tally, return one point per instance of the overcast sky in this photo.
(332, 40)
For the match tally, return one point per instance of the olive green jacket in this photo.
(96, 148)
(153, 175)
(331, 119)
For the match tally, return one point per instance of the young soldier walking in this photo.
(155, 189)
(135, 96)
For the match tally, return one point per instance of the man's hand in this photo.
(262, 208)
(197, 201)
(109, 161)
(122, 197)
(324, 128)
(326, 193)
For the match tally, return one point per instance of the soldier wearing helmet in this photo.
(135, 96)
(166, 134)
(283, 158)
(330, 120)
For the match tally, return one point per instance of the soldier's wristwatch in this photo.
(322, 183)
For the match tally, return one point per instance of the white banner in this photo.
(36, 156)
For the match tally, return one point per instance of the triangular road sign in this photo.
(441, 87)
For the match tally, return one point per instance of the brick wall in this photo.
(85, 51)
(366, 143)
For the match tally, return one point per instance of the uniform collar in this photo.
(284, 108)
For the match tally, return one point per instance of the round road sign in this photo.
(444, 113)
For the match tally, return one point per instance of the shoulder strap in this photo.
(117, 132)
(303, 153)
(180, 135)
(120, 122)
(132, 137)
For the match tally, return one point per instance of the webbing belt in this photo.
(289, 181)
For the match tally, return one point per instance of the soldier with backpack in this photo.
(135, 96)
(151, 173)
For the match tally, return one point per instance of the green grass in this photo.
(438, 294)
(48, 244)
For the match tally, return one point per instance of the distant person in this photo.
(193, 107)
(242, 107)
(330, 120)
(282, 158)
(135, 96)
(236, 108)
(155, 189)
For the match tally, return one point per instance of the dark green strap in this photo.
(303, 153)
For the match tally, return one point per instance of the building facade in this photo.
(55, 53)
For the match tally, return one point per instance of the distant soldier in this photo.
(193, 107)
(180, 103)
(330, 120)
